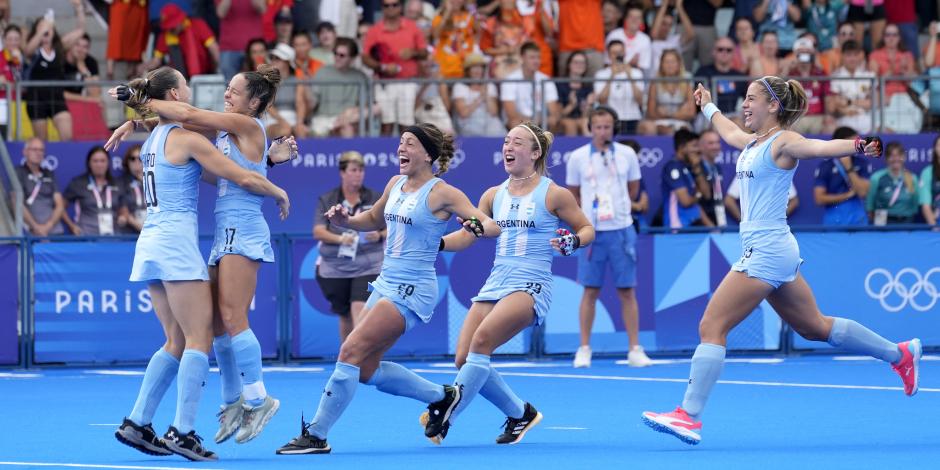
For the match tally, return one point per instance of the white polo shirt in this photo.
(522, 93)
(602, 176)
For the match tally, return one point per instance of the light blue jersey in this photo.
(168, 246)
(523, 250)
(764, 187)
(408, 276)
(240, 227)
(769, 251)
(527, 226)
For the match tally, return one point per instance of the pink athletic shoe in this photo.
(909, 365)
(678, 423)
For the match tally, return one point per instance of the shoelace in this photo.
(509, 426)
(248, 416)
(221, 413)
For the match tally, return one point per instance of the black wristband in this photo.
(577, 241)
(441, 246)
(272, 163)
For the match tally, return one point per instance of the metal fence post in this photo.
(285, 299)
(881, 102)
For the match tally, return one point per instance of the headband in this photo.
(433, 150)
(774, 95)
(541, 153)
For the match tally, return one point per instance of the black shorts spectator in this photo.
(857, 14)
(342, 291)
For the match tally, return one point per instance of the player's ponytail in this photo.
(262, 84)
(156, 85)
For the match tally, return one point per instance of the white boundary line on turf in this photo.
(104, 424)
(657, 379)
(85, 465)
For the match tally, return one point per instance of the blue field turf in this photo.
(777, 415)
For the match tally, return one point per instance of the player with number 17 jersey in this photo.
(168, 246)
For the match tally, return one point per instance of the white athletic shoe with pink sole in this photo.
(678, 423)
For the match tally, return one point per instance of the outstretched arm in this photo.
(367, 221)
(461, 239)
(795, 146)
(457, 203)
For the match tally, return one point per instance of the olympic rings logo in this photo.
(650, 157)
(908, 286)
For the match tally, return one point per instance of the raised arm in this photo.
(727, 129)
(75, 34)
(461, 239)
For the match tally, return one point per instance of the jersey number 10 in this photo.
(150, 183)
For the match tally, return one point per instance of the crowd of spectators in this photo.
(551, 60)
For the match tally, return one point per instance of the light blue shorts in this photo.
(411, 318)
(168, 249)
(414, 292)
(614, 247)
(772, 256)
(508, 278)
(242, 233)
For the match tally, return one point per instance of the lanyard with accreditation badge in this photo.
(105, 219)
(32, 196)
(602, 206)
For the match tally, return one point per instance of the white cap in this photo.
(284, 52)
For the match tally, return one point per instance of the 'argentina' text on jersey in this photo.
(516, 223)
(397, 218)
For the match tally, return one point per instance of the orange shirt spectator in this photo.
(580, 25)
(509, 27)
(453, 33)
(892, 60)
(304, 65)
(128, 31)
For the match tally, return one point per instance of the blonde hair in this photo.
(351, 157)
(541, 141)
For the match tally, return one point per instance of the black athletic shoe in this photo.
(306, 443)
(142, 438)
(188, 445)
(436, 419)
(515, 429)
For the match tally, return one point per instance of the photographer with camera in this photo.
(612, 89)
